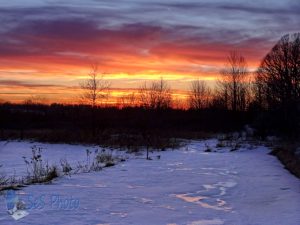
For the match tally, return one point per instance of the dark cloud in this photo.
(253, 7)
(120, 33)
(44, 37)
(212, 18)
(15, 83)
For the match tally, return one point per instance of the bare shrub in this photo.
(66, 167)
(229, 141)
(39, 171)
(95, 161)
(207, 148)
(3, 178)
(104, 157)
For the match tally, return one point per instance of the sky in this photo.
(47, 46)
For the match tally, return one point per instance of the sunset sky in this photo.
(47, 46)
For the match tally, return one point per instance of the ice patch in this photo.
(167, 207)
(208, 186)
(85, 186)
(207, 222)
(227, 184)
(184, 169)
(134, 186)
(121, 214)
(144, 200)
(175, 164)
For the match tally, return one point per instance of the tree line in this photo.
(274, 89)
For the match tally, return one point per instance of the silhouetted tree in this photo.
(277, 84)
(278, 77)
(95, 87)
(128, 100)
(35, 100)
(233, 90)
(157, 96)
(200, 95)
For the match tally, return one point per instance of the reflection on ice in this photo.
(210, 196)
(205, 202)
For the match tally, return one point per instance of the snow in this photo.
(185, 186)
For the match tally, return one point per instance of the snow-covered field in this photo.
(185, 186)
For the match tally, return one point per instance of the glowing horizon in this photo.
(48, 52)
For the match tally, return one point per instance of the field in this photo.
(201, 183)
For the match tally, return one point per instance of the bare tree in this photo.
(35, 100)
(278, 77)
(157, 96)
(234, 86)
(128, 100)
(200, 95)
(95, 88)
(278, 84)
